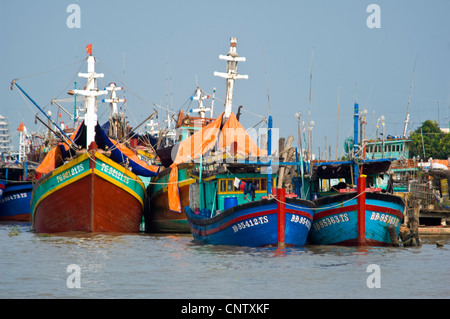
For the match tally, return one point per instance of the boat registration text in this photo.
(77, 169)
(250, 223)
(327, 221)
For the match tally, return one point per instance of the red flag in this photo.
(89, 49)
(20, 128)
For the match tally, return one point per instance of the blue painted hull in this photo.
(15, 202)
(254, 224)
(336, 220)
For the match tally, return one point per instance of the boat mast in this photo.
(200, 96)
(90, 103)
(116, 127)
(22, 143)
(232, 59)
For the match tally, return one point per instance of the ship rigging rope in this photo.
(37, 74)
(49, 71)
(285, 203)
(270, 195)
(320, 208)
(128, 88)
(153, 183)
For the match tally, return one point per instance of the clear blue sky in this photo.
(141, 42)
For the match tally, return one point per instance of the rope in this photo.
(52, 70)
(153, 183)
(318, 208)
(15, 181)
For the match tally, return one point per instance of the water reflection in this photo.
(174, 266)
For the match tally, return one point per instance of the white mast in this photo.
(90, 103)
(212, 102)
(113, 100)
(22, 144)
(233, 58)
(200, 96)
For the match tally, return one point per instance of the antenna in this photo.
(337, 129)
(310, 86)
(309, 106)
(409, 99)
(267, 79)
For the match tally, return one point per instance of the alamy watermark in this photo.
(374, 279)
(234, 143)
(74, 19)
(374, 19)
(74, 279)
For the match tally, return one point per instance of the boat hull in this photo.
(157, 215)
(337, 222)
(254, 224)
(89, 194)
(15, 202)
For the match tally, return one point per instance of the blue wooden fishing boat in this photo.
(352, 207)
(254, 224)
(15, 201)
(361, 216)
(15, 182)
(231, 200)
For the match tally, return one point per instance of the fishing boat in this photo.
(231, 201)
(15, 198)
(90, 182)
(157, 214)
(248, 214)
(352, 208)
(15, 182)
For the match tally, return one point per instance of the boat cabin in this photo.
(225, 186)
(330, 178)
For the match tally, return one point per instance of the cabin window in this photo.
(226, 185)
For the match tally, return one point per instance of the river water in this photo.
(173, 266)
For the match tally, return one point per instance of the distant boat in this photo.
(90, 182)
(15, 181)
(158, 215)
(15, 201)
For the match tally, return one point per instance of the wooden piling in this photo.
(281, 198)
(393, 236)
(361, 205)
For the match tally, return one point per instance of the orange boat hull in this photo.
(91, 202)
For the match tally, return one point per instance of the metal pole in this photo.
(48, 117)
(281, 216)
(269, 154)
(361, 204)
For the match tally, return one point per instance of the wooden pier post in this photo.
(361, 206)
(281, 198)
(393, 236)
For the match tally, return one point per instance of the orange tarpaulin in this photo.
(49, 162)
(234, 132)
(198, 143)
(202, 141)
